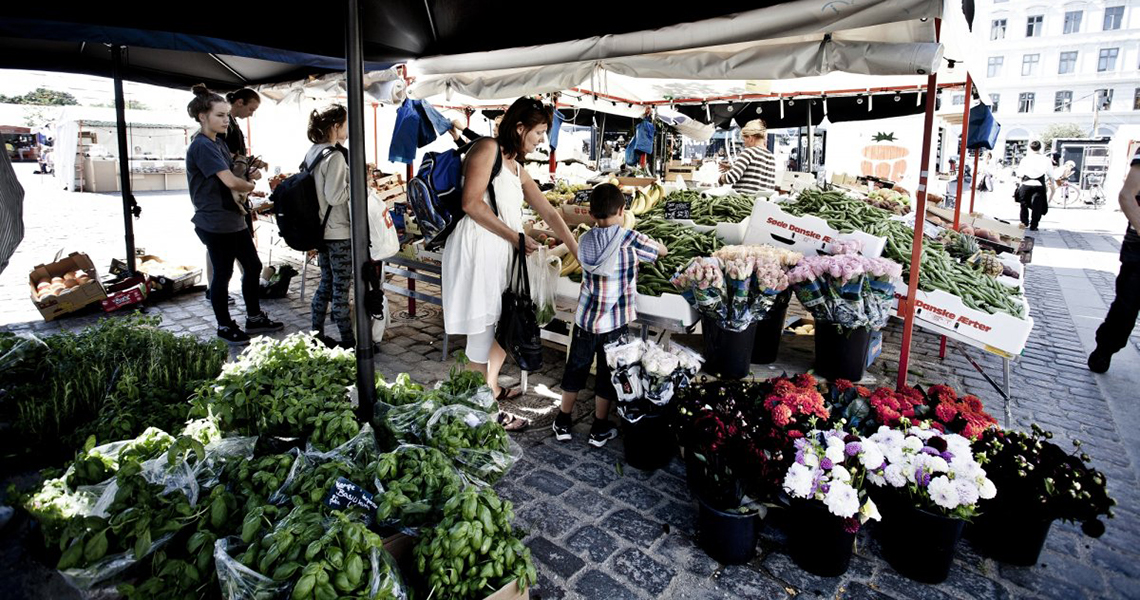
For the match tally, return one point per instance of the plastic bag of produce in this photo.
(239, 582)
(413, 482)
(624, 360)
(474, 440)
(20, 356)
(407, 424)
(544, 270)
(313, 472)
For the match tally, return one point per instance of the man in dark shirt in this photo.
(1113, 334)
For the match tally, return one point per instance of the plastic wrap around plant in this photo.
(239, 582)
(312, 472)
(474, 440)
(544, 270)
(412, 483)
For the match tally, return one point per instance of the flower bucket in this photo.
(841, 353)
(1010, 536)
(729, 538)
(817, 540)
(649, 443)
(728, 354)
(903, 526)
(769, 332)
(718, 494)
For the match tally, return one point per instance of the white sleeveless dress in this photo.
(476, 263)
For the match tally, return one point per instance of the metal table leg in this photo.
(1008, 398)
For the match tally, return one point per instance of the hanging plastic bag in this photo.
(474, 440)
(380, 325)
(384, 241)
(544, 269)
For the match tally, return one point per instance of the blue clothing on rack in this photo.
(642, 142)
(417, 125)
(554, 129)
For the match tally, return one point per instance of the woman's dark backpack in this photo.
(297, 208)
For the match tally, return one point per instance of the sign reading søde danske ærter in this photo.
(345, 494)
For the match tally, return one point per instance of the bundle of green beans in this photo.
(705, 210)
(684, 245)
(939, 270)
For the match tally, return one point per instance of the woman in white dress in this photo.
(477, 257)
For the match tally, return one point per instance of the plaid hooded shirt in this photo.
(609, 257)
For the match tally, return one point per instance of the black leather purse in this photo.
(518, 332)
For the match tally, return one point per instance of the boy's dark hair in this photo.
(605, 201)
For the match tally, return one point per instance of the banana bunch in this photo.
(644, 199)
(569, 265)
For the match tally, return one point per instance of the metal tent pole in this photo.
(920, 212)
(358, 187)
(962, 155)
(130, 207)
(974, 181)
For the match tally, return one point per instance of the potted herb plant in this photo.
(1038, 482)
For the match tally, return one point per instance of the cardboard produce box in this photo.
(575, 215)
(400, 547)
(128, 292)
(53, 306)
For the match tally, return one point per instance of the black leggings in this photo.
(224, 248)
(1118, 324)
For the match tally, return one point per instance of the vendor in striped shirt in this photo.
(755, 168)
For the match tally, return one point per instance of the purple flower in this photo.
(825, 488)
(947, 456)
(852, 448)
(826, 464)
(930, 451)
(800, 456)
(800, 444)
(921, 477)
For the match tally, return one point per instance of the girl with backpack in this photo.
(327, 129)
(477, 256)
(217, 219)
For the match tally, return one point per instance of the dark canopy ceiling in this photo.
(178, 46)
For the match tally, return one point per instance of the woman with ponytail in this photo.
(217, 219)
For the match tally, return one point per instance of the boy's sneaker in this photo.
(561, 426)
(602, 432)
(232, 335)
(262, 322)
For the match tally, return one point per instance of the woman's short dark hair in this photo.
(606, 200)
(1035, 145)
(246, 95)
(528, 111)
(203, 101)
(321, 120)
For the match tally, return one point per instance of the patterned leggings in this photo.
(336, 279)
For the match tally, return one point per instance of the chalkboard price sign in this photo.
(582, 197)
(677, 210)
(346, 494)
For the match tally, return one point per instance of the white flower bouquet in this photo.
(935, 470)
(737, 285)
(831, 467)
(646, 375)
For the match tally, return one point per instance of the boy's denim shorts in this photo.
(584, 348)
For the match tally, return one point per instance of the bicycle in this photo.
(1095, 194)
(1065, 195)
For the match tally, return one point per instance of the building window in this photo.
(997, 29)
(1063, 102)
(1107, 59)
(1025, 102)
(1103, 99)
(1033, 25)
(995, 98)
(1029, 64)
(1073, 21)
(1136, 100)
(958, 100)
(1068, 63)
(993, 66)
(1113, 16)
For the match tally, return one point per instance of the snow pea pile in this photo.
(707, 210)
(684, 245)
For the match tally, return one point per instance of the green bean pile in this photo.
(704, 210)
(940, 271)
(684, 245)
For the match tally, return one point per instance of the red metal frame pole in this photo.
(974, 181)
(920, 212)
(962, 154)
(553, 161)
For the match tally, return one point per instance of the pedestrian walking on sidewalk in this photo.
(1113, 334)
(218, 220)
(327, 129)
(1035, 172)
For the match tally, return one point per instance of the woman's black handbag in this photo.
(518, 332)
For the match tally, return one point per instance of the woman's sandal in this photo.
(505, 394)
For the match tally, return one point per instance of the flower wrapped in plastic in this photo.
(850, 290)
(879, 289)
(701, 282)
(739, 283)
(660, 371)
(624, 360)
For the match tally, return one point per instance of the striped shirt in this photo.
(11, 211)
(606, 303)
(753, 171)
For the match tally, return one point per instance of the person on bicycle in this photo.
(1061, 177)
(1036, 173)
(1113, 334)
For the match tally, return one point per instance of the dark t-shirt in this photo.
(235, 139)
(214, 208)
(1130, 249)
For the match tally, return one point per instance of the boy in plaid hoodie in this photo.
(609, 255)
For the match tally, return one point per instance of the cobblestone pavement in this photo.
(600, 529)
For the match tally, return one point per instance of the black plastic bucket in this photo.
(728, 354)
(817, 540)
(897, 531)
(730, 538)
(649, 443)
(1010, 536)
(841, 353)
(769, 332)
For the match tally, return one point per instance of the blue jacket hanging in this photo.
(417, 125)
(642, 142)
